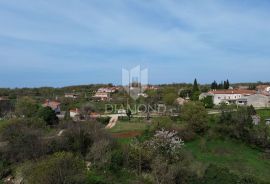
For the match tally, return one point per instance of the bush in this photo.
(195, 115)
(208, 102)
(93, 178)
(214, 175)
(117, 161)
(170, 98)
(100, 154)
(4, 168)
(161, 122)
(24, 140)
(48, 115)
(238, 125)
(186, 134)
(26, 107)
(146, 135)
(104, 120)
(56, 169)
(80, 136)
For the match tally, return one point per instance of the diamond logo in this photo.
(135, 81)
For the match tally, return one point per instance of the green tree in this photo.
(24, 139)
(100, 154)
(195, 91)
(214, 175)
(251, 110)
(195, 95)
(170, 98)
(195, 114)
(208, 102)
(242, 122)
(79, 137)
(195, 86)
(221, 85)
(260, 135)
(214, 85)
(87, 108)
(48, 115)
(129, 113)
(26, 107)
(6, 107)
(226, 84)
(237, 124)
(185, 93)
(56, 169)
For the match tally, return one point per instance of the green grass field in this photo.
(264, 113)
(236, 156)
(126, 127)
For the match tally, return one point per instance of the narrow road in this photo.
(112, 122)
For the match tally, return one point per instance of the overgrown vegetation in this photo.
(194, 147)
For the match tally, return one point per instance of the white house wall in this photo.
(258, 100)
(218, 98)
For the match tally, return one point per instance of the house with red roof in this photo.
(54, 105)
(258, 98)
(102, 96)
(229, 96)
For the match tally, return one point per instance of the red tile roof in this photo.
(51, 104)
(234, 91)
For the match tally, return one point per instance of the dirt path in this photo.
(129, 134)
(112, 122)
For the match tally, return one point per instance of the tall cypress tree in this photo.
(195, 91)
(221, 85)
(214, 85)
(195, 86)
(228, 84)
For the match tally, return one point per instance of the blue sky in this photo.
(66, 42)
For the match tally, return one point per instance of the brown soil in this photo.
(126, 134)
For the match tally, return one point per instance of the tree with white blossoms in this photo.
(166, 143)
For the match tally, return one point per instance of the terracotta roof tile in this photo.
(52, 104)
(233, 91)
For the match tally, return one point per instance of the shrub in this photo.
(195, 115)
(48, 115)
(161, 122)
(80, 136)
(93, 178)
(24, 140)
(186, 134)
(208, 102)
(117, 161)
(214, 175)
(59, 168)
(26, 107)
(104, 120)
